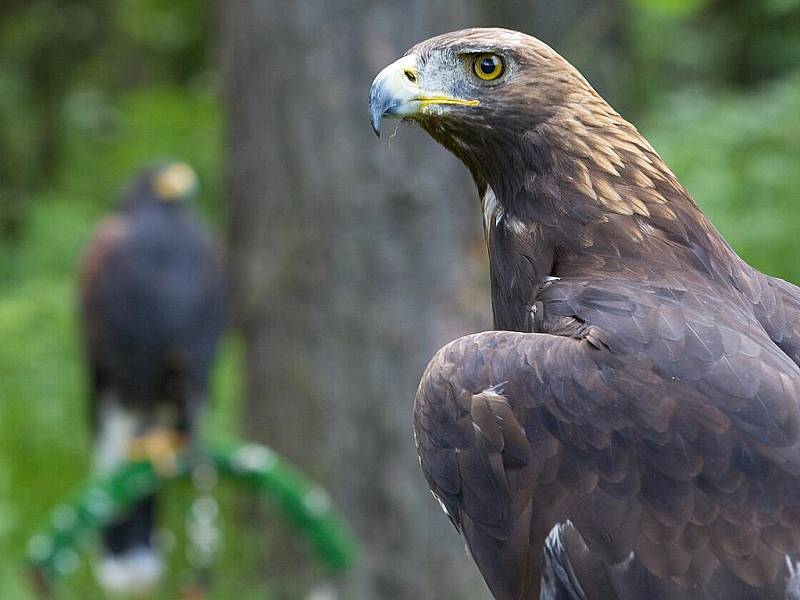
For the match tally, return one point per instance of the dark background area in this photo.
(352, 259)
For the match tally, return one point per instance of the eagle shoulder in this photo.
(519, 432)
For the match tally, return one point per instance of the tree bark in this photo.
(353, 260)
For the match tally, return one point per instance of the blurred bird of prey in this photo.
(153, 308)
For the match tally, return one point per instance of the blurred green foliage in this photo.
(91, 90)
(718, 45)
(65, 63)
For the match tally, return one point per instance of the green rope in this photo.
(56, 550)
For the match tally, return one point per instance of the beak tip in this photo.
(375, 117)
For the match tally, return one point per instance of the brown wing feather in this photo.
(517, 432)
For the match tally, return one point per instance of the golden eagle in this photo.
(152, 300)
(631, 429)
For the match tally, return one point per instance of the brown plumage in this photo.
(631, 429)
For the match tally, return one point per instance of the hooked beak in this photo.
(397, 93)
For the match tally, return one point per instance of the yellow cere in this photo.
(174, 182)
(488, 66)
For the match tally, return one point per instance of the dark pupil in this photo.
(488, 65)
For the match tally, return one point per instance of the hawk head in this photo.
(164, 183)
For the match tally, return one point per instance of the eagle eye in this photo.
(488, 67)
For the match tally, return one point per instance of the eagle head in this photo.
(482, 93)
(532, 131)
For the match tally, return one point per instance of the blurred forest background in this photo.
(352, 261)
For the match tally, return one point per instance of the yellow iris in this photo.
(488, 66)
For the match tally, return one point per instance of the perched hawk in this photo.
(631, 428)
(152, 300)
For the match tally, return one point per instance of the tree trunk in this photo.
(353, 261)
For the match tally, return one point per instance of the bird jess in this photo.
(631, 427)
